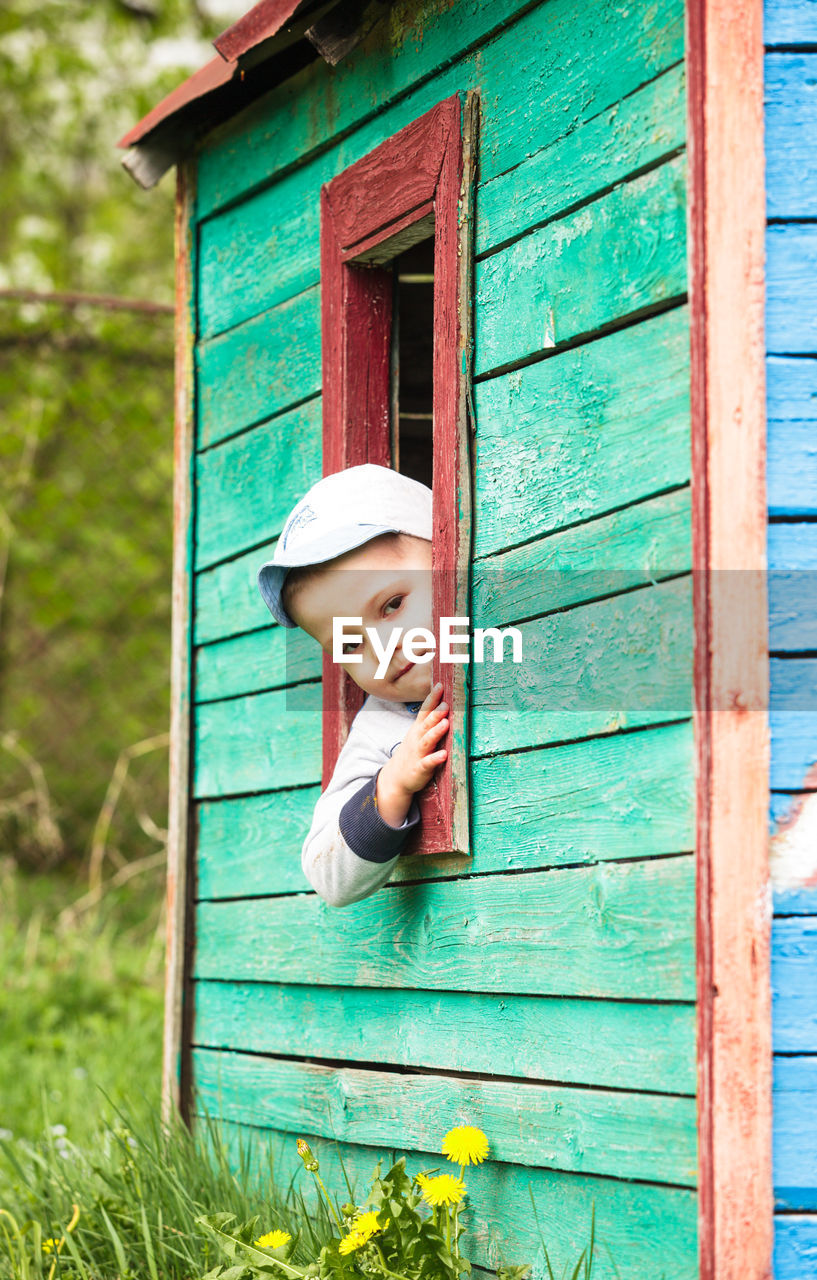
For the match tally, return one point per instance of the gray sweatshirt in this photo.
(350, 851)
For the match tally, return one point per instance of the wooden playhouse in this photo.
(515, 247)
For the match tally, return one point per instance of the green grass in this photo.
(81, 1140)
(139, 1192)
(80, 1005)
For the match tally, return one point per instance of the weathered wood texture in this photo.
(567, 66)
(613, 664)
(564, 958)
(582, 1131)
(789, 22)
(227, 599)
(795, 1133)
(793, 587)
(792, 435)
(618, 930)
(258, 661)
(795, 1247)
(626, 795)
(633, 1221)
(587, 430)
(247, 486)
(791, 175)
(791, 258)
(265, 365)
(794, 984)
(175, 1081)
(631, 241)
(726, 290)
(649, 1046)
(271, 740)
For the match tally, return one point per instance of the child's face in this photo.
(387, 583)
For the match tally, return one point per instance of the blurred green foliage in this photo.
(80, 1004)
(85, 420)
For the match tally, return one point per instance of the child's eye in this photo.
(393, 605)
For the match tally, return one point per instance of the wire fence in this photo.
(86, 443)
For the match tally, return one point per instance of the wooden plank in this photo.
(247, 486)
(631, 243)
(795, 902)
(624, 1135)
(789, 22)
(643, 543)
(624, 796)
(795, 1133)
(587, 430)
(791, 134)
(794, 984)
(227, 598)
(613, 664)
(791, 318)
(610, 930)
(793, 588)
(259, 368)
(728, 429)
(593, 800)
(268, 740)
(635, 1223)
(608, 148)
(795, 1247)
(255, 662)
(793, 722)
(792, 435)
(175, 1081)
(553, 57)
(600, 1042)
(253, 845)
(263, 251)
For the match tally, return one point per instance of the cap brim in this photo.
(271, 576)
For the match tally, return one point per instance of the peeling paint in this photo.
(793, 847)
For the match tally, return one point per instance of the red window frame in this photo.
(418, 179)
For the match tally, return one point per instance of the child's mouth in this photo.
(408, 667)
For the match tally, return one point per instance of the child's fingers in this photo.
(431, 700)
(437, 714)
(433, 735)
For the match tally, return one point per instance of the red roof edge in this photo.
(262, 22)
(216, 73)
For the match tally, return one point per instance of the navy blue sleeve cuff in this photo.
(365, 831)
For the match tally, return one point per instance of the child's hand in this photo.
(414, 761)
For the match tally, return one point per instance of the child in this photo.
(358, 544)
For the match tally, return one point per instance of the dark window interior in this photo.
(413, 362)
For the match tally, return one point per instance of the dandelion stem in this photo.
(332, 1209)
(383, 1267)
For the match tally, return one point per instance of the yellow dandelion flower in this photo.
(354, 1240)
(368, 1225)
(274, 1239)
(465, 1145)
(50, 1244)
(444, 1189)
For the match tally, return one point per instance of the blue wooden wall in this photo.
(791, 322)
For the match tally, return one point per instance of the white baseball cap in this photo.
(339, 513)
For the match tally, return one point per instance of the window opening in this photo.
(412, 366)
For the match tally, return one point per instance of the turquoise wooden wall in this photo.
(791, 334)
(545, 989)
